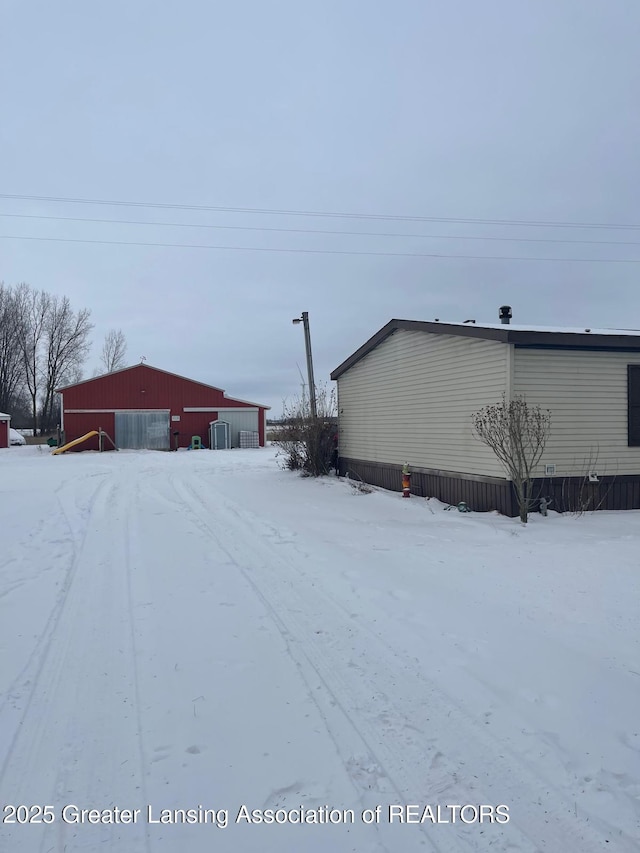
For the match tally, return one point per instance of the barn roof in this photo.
(539, 336)
(157, 370)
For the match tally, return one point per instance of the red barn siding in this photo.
(146, 387)
(190, 424)
(4, 433)
(80, 424)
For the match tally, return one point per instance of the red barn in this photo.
(5, 423)
(142, 407)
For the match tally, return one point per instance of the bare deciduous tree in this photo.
(32, 307)
(66, 344)
(43, 343)
(114, 351)
(11, 368)
(517, 433)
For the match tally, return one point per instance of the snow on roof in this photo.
(565, 330)
(509, 333)
(4, 417)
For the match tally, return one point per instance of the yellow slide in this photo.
(75, 441)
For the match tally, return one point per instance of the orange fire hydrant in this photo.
(406, 481)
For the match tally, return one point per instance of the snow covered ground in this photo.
(204, 631)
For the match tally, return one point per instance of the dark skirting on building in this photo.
(486, 494)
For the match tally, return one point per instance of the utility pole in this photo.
(304, 319)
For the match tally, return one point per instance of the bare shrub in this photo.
(307, 443)
(517, 433)
(359, 486)
(590, 494)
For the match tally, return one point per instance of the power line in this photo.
(322, 251)
(317, 213)
(320, 231)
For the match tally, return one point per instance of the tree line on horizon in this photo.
(45, 344)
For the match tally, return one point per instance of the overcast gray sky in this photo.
(522, 110)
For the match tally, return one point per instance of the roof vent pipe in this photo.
(505, 314)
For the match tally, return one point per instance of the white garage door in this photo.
(142, 430)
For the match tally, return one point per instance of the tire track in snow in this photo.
(381, 758)
(30, 673)
(80, 728)
(21, 577)
(365, 769)
(113, 783)
(129, 535)
(29, 764)
(536, 825)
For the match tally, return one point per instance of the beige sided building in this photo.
(409, 393)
